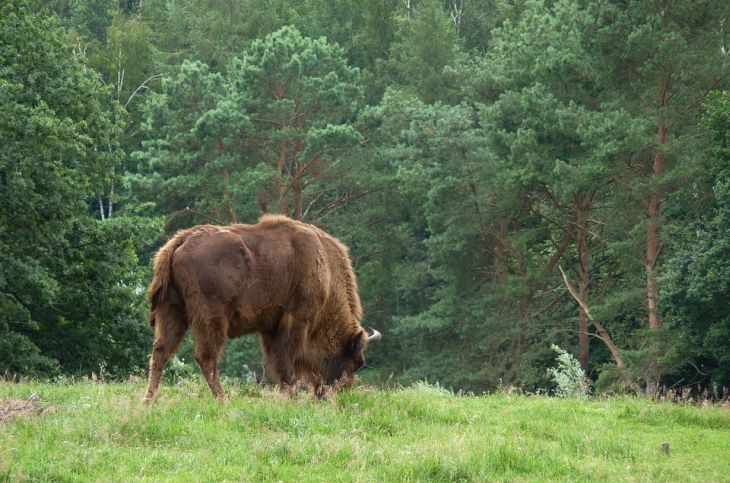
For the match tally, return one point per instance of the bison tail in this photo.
(160, 285)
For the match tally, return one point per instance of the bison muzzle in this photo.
(287, 281)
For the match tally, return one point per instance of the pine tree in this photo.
(300, 96)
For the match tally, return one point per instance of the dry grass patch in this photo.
(13, 408)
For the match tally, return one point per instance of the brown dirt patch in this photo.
(13, 408)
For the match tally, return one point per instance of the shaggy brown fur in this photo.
(286, 280)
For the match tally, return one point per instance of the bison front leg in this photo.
(317, 387)
(281, 349)
(209, 343)
(281, 368)
(170, 328)
(209, 366)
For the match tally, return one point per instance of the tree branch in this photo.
(143, 85)
(602, 334)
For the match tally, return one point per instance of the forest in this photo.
(508, 174)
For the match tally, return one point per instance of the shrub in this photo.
(177, 371)
(569, 378)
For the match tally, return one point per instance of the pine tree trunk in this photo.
(653, 211)
(500, 254)
(652, 256)
(297, 187)
(298, 170)
(653, 234)
(281, 166)
(227, 196)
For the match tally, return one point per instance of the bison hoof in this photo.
(149, 398)
(288, 391)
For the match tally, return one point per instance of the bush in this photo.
(177, 371)
(569, 378)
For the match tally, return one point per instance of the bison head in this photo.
(341, 368)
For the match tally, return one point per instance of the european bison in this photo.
(286, 280)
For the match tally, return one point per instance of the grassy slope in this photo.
(103, 432)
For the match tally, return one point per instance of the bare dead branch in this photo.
(311, 203)
(143, 85)
(602, 334)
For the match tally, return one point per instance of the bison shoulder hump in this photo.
(270, 219)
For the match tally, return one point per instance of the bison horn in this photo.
(374, 336)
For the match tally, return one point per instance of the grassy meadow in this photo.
(89, 431)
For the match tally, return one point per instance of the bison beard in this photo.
(287, 281)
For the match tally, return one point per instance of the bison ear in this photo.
(357, 342)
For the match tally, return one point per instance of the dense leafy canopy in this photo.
(69, 284)
(508, 175)
(698, 273)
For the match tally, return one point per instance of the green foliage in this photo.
(462, 150)
(300, 95)
(180, 158)
(434, 152)
(127, 61)
(91, 18)
(226, 148)
(50, 116)
(98, 319)
(211, 31)
(177, 372)
(68, 283)
(697, 280)
(427, 47)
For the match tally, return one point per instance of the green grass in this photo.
(103, 432)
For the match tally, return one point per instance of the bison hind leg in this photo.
(170, 328)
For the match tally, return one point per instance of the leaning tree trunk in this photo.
(602, 334)
(581, 222)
